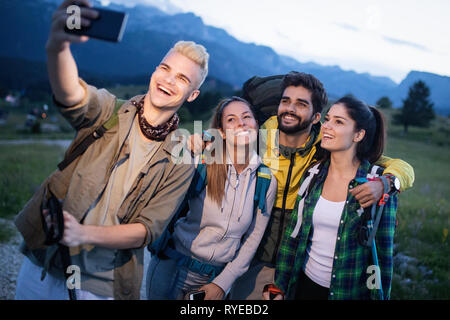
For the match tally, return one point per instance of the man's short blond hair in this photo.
(195, 52)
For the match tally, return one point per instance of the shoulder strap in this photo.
(98, 133)
(305, 188)
(198, 183)
(307, 183)
(263, 177)
(199, 180)
(374, 172)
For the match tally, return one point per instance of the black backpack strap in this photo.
(198, 183)
(90, 139)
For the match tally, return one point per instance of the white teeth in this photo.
(242, 133)
(327, 136)
(165, 90)
(287, 117)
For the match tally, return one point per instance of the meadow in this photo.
(422, 264)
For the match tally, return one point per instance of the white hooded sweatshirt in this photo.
(227, 234)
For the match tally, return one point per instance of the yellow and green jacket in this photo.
(287, 166)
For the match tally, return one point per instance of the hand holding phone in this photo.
(59, 39)
(109, 25)
(197, 295)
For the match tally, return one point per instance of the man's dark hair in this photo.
(307, 81)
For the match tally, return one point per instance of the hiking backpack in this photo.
(264, 93)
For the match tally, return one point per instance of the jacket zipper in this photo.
(283, 208)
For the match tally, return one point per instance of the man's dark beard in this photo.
(301, 126)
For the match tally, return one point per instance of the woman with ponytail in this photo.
(322, 256)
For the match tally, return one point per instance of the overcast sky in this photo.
(382, 37)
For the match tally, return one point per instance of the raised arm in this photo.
(61, 66)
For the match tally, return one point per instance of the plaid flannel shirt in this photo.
(350, 273)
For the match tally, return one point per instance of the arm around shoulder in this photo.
(399, 168)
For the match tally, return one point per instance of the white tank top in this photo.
(320, 250)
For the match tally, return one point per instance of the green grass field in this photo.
(423, 213)
(423, 216)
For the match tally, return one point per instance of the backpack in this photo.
(98, 133)
(197, 185)
(264, 93)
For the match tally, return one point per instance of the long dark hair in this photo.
(372, 121)
(217, 172)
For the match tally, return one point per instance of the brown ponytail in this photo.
(379, 138)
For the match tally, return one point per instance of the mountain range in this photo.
(150, 32)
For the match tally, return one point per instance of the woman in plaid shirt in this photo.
(320, 256)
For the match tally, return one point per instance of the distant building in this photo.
(13, 101)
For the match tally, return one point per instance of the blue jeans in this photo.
(168, 281)
(30, 287)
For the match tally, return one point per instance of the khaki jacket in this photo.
(155, 196)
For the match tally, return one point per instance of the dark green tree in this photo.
(384, 103)
(417, 109)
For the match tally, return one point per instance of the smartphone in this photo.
(197, 295)
(109, 26)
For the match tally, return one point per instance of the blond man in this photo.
(118, 196)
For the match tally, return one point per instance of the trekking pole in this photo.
(66, 262)
(374, 253)
(54, 233)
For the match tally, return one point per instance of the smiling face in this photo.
(174, 81)
(339, 130)
(295, 111)
(239, 126)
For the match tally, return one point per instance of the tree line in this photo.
(417, 109)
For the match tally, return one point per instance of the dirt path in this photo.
(10, 262)
(62, 143)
